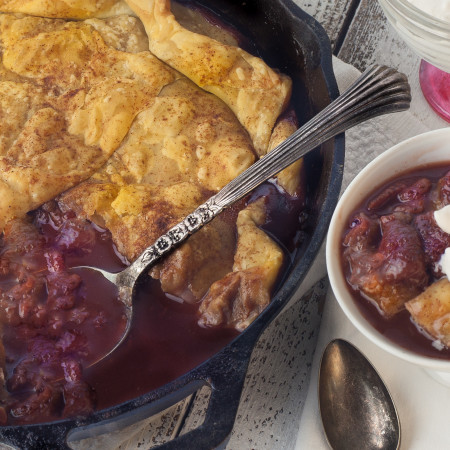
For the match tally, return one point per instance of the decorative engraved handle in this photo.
(177, 234)
(380, 90)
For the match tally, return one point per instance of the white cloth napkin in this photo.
(423, 404)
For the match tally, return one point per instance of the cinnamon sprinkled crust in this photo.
(431, 310)
(66, 9)
(254, 92)
(184, 146)
(67, 101)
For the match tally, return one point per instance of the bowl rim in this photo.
(422, 17)
(348, 201)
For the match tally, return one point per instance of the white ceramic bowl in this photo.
(421, 150)
(427, 36)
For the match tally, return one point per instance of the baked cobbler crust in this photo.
(72, 9)
(254, 92)
(430, 310)
(67, 102)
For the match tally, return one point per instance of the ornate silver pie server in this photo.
(379, 90)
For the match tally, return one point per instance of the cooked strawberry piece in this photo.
(390, 270)
(434, 240)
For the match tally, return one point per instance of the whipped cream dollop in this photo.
(436, 8)
(444, 262)
(442, 218)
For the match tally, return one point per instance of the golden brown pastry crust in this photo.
(67, 100)
(66, 9)
(290, 179)
(254, 92)
(431, 310)
(186, 145)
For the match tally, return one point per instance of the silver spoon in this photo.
(379, 90)
(356, 407)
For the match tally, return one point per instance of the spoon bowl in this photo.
(356, 408)
(379, 90)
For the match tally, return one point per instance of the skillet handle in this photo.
(36, 437)
(225, 373)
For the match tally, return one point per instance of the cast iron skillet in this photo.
(290, 40)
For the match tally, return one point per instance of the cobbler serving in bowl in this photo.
(387, 250)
